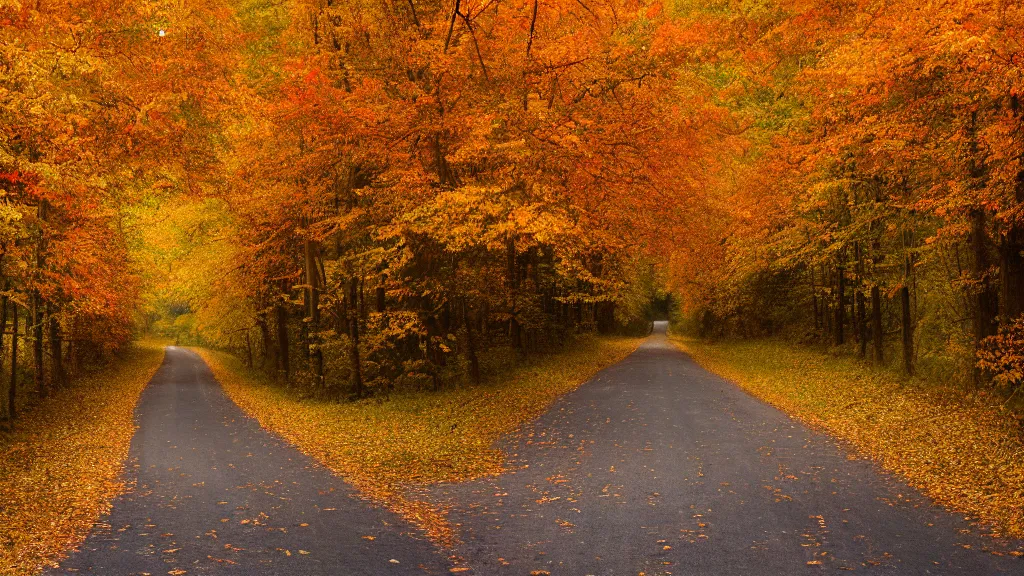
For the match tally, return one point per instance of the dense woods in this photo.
(879, 207)
(355, 196)
(412, 185)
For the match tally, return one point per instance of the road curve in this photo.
(213, 493)
(656, 466)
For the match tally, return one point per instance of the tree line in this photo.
(878, 205)
(362, 195)
(410, 185)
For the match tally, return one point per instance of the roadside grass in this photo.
(60, 467)
(964, 451)
(386, 447)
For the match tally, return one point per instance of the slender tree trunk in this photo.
(1011, 262)
(906, 314)
(356, 366)
(269, 352)
(12, 390)
(985, 303)
(511, 276)
(3, 328)
(1011, 273)
(56, 350)
(362, 298)
(313, 313)
(907, 331)
(73, 356)
(37, 308)
(485, 322)
(471, 355)
(814, 302)
(303, 338)
(876, 322)
(248, 349)
(381, 297)
(840, 304)
(283, 367)
(826, 308)
(862, 325)
(37, 345)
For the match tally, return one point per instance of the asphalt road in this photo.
(215, 494)
(655, 466)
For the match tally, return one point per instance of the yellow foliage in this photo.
(60, 468)
(384, 448)
(964, 452)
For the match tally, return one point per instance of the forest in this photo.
(416, 224)
(358, 196)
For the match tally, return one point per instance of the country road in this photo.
(654, 466)
(657, 466)
(215, 494)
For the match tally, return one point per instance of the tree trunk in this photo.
(907, 331)
(3, 328)
(269, 350)
(56, 349)
(362, 298)
(313, 313)
(840, 304)
(985, 303)
(353, 354)
(72, 357)
(1011, 274)
(248, 349)
(283, 367)
(814, 301)
(37, 309)
(827, 314)
(12, 390)
(511, 277)
(471, 356)
(37, 345)
(1011, 263)
(862, 325)
(876, 322)
(515, 332)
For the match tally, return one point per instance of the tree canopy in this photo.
(362, 195)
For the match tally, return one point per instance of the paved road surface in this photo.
(215, 494)
(657, 466)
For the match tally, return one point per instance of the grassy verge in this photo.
(383, 447)
(966, 452)
(60, 467)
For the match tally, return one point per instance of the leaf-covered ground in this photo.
(965, 452)
(386, 448)
(60, 467)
